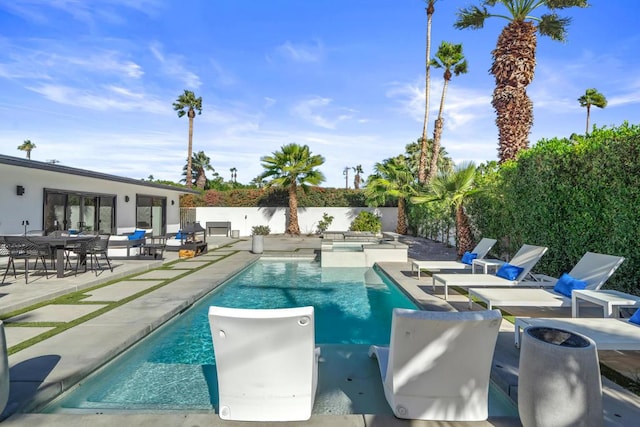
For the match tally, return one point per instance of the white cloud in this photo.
(317, 112)
(302, 52)
(172, 65)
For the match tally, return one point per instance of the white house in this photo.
(43, 196)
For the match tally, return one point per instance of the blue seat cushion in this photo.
(136, 235)
(509, 272)
(566, 284)
(636, 317)
(468, 257)
(179, 235)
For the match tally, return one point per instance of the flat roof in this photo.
(52, 167)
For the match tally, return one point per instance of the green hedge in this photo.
(278, 197)
(571, 195)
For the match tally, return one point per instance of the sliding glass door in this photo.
(65, 210)
(151, 213)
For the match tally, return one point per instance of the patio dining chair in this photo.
(21, 248)
(98, 248)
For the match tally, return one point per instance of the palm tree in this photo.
(357, 178)
(188, 104)
(412, 151)
(448, 56)
(454, 188)
(514, 61)
(392, 178)
(422, 166)
(27, 146)
(592, 97)
(292, 166)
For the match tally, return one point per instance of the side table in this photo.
(609, 300)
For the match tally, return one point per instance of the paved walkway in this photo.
(139, 296)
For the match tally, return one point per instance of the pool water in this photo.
(174, 368)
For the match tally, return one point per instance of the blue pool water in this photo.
(175, 369)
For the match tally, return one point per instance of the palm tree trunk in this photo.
(401, 228)
(422, 165)
(437, 130)
(513, 66)
(463, 231)
(588, 114)
(293, 228)
(189, 179)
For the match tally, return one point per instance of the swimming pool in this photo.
(174, 368)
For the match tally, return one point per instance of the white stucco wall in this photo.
(14, 209)
(243, 219)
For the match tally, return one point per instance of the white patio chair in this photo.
(266, 361)
(438, 363)
(593, 268)
(481, 250)
(526, 258)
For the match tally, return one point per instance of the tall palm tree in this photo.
(292, 166)
(357, 178)
(592, 97)
(412, 151)
(392, 178)
(422, 166)
(448, 56)
(27, 146)
(188, 104)
(454, 188)
(514, 61)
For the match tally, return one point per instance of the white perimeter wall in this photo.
(14, 209)
(243, 219)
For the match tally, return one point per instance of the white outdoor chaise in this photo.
(525, 258)
(593, 268)
(438, 363)
(481, 250)
(266, 361)
(608, 333)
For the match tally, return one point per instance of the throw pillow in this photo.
(566, 284)
(636, 317)
(136, 235)
(468, 257)
(509, 272)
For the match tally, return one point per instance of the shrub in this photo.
(366, 221)
(324, 223)
(260, 230)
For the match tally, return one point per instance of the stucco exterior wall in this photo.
(14, 208)
(243, 219)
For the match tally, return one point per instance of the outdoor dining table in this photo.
(58, 244)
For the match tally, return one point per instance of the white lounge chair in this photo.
(525, 258)
(266, 361)
(427, 371)
(608, 333)
(481, 250)
(593, 268)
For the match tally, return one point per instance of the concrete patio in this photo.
(139, 296)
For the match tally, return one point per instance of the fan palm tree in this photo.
(27, 146)
(449, 56)
(592, 97)
(292, 166)
(412, 151)
(514, 61)
(188, 104)
(392, 178)
(357, 178)
(454, 188)
(422, 166)
(200, 163)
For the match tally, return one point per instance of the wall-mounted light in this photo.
(19, 190)
(173, 202)
(126, 199)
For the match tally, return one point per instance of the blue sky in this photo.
(92, 83)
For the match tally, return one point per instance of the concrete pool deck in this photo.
(43, 370)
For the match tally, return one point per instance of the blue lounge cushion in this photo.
(136, 235)
(636, 317)
(468, 257)
(509, 272)
(566, 284)
(179, 235)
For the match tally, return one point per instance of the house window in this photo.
(68, 210)
(151, 213)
